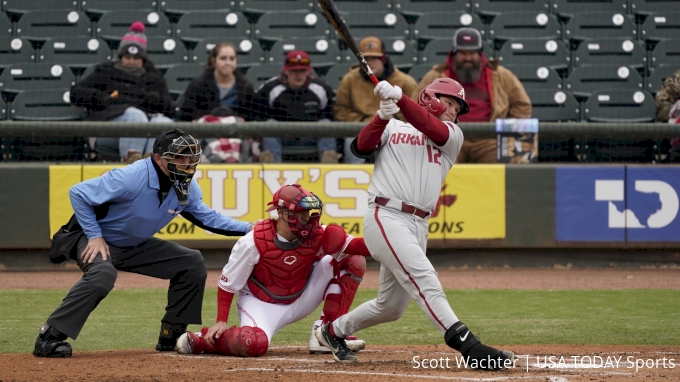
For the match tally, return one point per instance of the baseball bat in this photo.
(340, 25)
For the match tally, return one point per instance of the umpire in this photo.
(119, 213)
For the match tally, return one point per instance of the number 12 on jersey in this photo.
(433, 154)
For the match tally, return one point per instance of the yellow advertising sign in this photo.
(62, 177)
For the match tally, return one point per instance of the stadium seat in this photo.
(402, 52)
(276, 26)
(41, 25)
(335, 74)
(585, 25)
(248, 52)
(75, 52)
(184, 6)
(437, 51)
(502, 6)
(101, 6)
(379, 24)
(52, 149)
(584, 80)
(263, 6)
(6, 29)
(257, 75)
(165, 52)
(23, 6)
(650, 6)
(34, 76)
(661, 26)
(419, 7)
(666, 52)
(516, 25)
(323, 52)
(44, 105)
(419, 71)
(568, 7)
(535, 52)
(619, 106)
(554, 106)
(194, 26)
(179, 76)
(658, 76)
(610, 52)
(533, 77)
(362, 6)
(113, 25)
(88, 70)
(433, 25)
(14, 50)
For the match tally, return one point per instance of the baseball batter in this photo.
(412, 161)
(281, 273)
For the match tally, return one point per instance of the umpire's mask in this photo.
(183, 153)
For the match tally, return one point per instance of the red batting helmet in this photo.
(294, 198)
(429, 97)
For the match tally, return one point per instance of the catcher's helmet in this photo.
(294, 198)
(429, 97)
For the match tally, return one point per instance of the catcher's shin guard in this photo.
(335, 305)
(476, 354)
(246, 341)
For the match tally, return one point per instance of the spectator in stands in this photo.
(296, 95)
(668, 94)
(128, 88)
(225, 150)
(219, 85)
(491, 90)
(355, 101)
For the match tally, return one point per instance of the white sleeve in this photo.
(241, 262)
(452, 146)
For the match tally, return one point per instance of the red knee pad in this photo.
(246, 341)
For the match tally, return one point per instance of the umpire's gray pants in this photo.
(158, 258)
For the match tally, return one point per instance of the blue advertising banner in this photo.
(617, 204)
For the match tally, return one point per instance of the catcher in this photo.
(281, 273)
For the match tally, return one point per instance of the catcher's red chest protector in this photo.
(281, 275)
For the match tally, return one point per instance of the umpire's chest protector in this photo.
(281, 274)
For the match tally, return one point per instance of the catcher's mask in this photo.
(293, 198)
(183, 153)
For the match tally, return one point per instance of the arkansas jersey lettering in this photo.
(408, 139)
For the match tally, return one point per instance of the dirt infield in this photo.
(554, 363)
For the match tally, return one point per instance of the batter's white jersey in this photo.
(412, 168)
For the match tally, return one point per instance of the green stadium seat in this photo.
(651, 6)
(554, 106)
(379, 24)
(196, 25)
(101, 6)
(537, 77)
(276, 26)
(14, 50)
(322, 52)
(568, 7)
(6, 28)
(362, 6)
(584, 80)
(587, 25)
(259, 74)
(495, 7)
(165, 52)
(437, 51)
(433, 25)
(402, 52)
(179, 76)
(264, 6)
(113, 25)
(75, 52)
(535, 52)
(34, 76)
(420, 7)
(666, 52)
(619, 106)
(23, 6)
(658, 76)
(44, 105)
(516, 25)
(334, 74)
(249, 52)
(610, 52)
(44, 24)
(184, 6)
(419, 71)
(661, 26)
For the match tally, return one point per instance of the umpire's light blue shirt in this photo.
(135, 210)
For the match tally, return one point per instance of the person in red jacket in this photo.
(282, 271)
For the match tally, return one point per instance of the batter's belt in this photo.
(405, 207)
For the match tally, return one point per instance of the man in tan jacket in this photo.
(491, 90)
(355, 101)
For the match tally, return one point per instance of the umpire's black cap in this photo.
(165, 139)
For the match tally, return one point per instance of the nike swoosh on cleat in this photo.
(463, 338)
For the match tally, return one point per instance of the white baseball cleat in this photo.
(182, 346)
(354, 344)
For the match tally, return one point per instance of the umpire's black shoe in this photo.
(341, 352)
(169, 335)
(50, 343)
